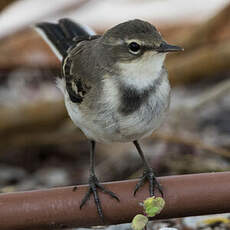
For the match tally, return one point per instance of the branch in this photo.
(186, 195)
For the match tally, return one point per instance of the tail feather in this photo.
(59, 36)
(73, 29)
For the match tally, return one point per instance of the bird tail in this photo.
(59, 36)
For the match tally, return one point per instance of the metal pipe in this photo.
(185, 195)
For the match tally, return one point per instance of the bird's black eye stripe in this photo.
(134, 47)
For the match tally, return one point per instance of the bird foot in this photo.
(153, 183)
(93, 186)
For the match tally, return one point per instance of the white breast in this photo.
(149, 116)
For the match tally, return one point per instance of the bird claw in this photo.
(93, 186)
(153, 183)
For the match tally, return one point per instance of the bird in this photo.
(115, 86)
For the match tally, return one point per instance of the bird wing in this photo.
(76, 85)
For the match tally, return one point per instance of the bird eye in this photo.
(134, 47)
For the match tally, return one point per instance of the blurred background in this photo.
(39, 145)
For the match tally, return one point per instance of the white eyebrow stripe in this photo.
(134, 40)
(140, 42)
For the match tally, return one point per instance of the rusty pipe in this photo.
(185, 195)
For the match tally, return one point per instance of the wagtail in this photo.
(115, 86)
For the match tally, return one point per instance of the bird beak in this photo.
(165, 47)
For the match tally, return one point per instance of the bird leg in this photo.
(147, 174)
(94, 185)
